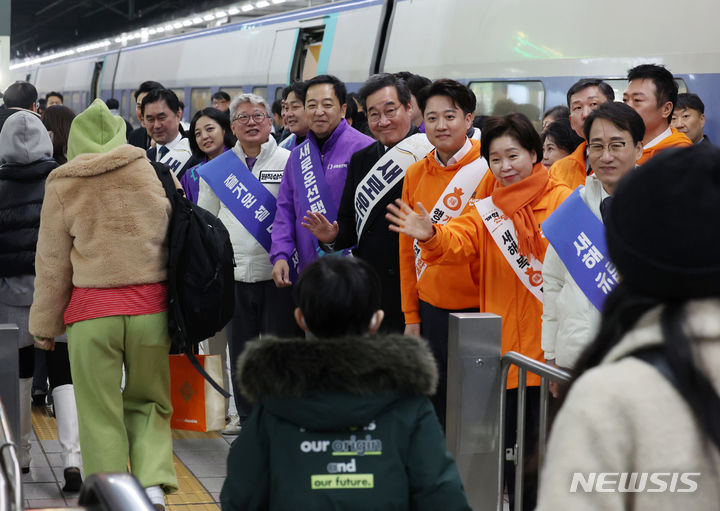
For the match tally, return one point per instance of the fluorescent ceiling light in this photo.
(187, 23)
(220, 14)
(247, 7)
(177, 25)
(209, 17)
(160, 30)
(278, 1)
(168, 27)
(262, 4)
(197, 20)
(232, 11)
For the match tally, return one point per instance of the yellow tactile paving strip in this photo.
(191, 495)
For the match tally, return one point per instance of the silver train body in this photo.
(514, 54)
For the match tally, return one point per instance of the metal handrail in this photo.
(546, 373)
(14, 469)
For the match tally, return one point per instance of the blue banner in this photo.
(243, 194)
(578, 237)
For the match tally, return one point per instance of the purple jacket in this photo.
(287, 232)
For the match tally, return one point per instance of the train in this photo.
(520, 55)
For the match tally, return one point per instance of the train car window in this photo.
(500, 98)
(180, 93)
(76, 102)
(123, 104)
(199, 99)
(260, 91)
(232, 91)
(619, 85)
(307, 53)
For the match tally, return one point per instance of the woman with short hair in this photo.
(503, 233)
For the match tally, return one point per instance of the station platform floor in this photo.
(199, 463)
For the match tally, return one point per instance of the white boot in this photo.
(67, 425)
(25, 422)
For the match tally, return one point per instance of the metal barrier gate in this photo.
(475, 421)
(10, 376)
(547, 373)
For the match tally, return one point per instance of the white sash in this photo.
(178, 156)
(452, 201)
(385, 174)
(502, 230)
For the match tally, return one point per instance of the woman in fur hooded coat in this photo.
(101, 269)
(342, 419)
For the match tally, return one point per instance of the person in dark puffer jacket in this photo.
(25, 162)
(341, 419)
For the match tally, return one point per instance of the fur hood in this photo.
(287, 368)
(94, 164)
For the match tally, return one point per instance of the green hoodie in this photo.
(95, 130)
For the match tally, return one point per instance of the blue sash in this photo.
(578, 237)
(310, 183)
(243, 194)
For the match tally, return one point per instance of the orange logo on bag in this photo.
(452, 200)
(535, 276)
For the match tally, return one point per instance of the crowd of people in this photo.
(440, 215)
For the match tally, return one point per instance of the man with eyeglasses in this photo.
(583, 97)
(240, 187)
(375, 176)
(576, 277)
(315, 177)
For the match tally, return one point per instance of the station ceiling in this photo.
(39, 26)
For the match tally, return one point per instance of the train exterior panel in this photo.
(517, 53)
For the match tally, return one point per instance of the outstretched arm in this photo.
(406, 221)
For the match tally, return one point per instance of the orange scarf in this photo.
(516, 202)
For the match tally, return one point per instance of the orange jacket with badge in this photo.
(571, 170)
(448, 287)
(501, 292)
(676, 139)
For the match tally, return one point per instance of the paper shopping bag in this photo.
(196, 405)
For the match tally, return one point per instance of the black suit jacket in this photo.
(139, 138)
(379, 245)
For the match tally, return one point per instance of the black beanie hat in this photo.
(663, 228)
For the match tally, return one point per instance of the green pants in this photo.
(117, 426)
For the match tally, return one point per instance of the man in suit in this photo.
(140, 137)
(361, 219)
(161, 112)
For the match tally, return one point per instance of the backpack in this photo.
(201, 280)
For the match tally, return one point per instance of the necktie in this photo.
(163, 151)
(250, 162)
(605, 208)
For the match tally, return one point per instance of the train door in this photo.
(307, 52)
(96, 80)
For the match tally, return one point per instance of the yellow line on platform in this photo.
(191, 495)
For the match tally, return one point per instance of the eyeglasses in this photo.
(390, 113)
(244, 119)
(613, 148)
